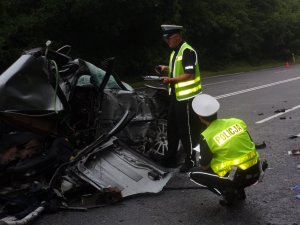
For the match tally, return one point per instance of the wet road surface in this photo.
(253, 97)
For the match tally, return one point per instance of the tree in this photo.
(222, 31)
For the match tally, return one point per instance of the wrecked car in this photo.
(54, 93)
(67, 124)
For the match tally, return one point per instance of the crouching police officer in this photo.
(229, 161)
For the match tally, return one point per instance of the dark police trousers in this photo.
(184, 125)
(219, 185)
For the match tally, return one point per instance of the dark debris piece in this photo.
(282, 118)
(294, 136)
(279, 110)
(294, 152)
(260, 114)
(260, 146)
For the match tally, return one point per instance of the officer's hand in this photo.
(166, 80)
(160, 68)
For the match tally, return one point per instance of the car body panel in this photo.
(116, 165)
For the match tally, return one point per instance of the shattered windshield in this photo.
(97, 76)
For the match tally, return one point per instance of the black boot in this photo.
(187, 166)
(231, 196)
(241, 194)
(228, 200)
(169, 163)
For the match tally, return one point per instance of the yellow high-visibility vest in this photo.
(231, 145)
(185, 89)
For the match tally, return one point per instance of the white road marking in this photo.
(239, 73)
(298, 135)
(256, 88)
(223, 75)
(279, 114)
(280, 71)
(261, 87)
(217, 83)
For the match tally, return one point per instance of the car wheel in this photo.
(158, 141)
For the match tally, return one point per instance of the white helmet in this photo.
(205, 105)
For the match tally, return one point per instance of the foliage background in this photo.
(221, 31)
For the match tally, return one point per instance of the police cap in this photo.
(205, 105)
(168, 30)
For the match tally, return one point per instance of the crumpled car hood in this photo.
(24, 86)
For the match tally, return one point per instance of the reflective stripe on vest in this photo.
(244, 162)
(186, 89)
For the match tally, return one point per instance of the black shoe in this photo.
(225, 202)
(228, 199)
(241, 194)
(264, 165)
(186, 167)
(231, 197)
(169, 164)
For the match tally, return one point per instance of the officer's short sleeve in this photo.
(189, 61)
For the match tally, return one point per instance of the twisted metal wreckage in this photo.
(70, 127)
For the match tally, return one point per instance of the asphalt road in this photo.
(253, 97)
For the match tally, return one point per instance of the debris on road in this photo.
(294, 152)
(279, 110)
(297, 188)
(261, 146)
(294, 136)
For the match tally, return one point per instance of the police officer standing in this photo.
(229, 161)
(184, 84)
